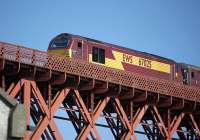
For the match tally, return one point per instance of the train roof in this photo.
(191, 66)
(120, 47)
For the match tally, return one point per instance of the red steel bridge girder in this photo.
(47, 83)
(34, 62)
(27, 91)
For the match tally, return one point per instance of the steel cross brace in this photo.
(84, 112)
(48, 112)
(111, 123)
(156, 116)
(30, 89)
(175, 124)
(72, 116)
(159, 122)
(137, 118)
(90, 118)
(48, 118)
(195, 124)
(35, 115)
(123, 118)
(147, 130)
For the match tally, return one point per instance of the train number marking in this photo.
(145, 63)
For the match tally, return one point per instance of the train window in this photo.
(102, 56)
(60, 42)
(192, 74)
(98, 55)
(95, 54)
(80, 45)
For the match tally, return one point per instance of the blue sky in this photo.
(169, 28)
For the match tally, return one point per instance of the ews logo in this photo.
(128, 58)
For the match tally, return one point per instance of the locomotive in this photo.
(118, 57)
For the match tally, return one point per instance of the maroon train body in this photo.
(117, 57)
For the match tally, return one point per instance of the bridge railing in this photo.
(79, 67)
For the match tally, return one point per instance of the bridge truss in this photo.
(48, 83)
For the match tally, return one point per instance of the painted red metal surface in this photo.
(77, 67)
(47, 83)
(45, 115)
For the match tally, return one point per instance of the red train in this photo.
(113, 56)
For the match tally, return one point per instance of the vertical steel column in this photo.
(27, 103)
(49, 99)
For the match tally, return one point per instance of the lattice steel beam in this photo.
(42, 111)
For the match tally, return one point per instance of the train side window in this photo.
(80, 45)
(192, 74)
(102, 56)
(98, 55)
(95, 54)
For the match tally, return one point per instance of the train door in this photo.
(185, 75)
(84, 49)
(80, 50)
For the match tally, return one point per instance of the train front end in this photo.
(61, 45)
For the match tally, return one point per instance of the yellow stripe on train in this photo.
(133, 60)
(65, 52)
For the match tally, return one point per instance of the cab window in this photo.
(98, 55)
(60, 42)
(80, 44)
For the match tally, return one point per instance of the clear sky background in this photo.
(169, 28)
